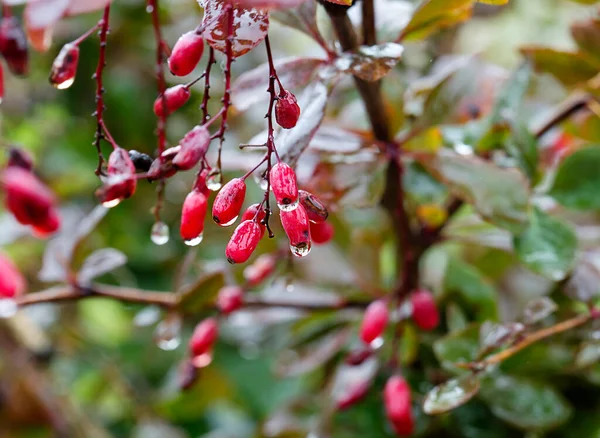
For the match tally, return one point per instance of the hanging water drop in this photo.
(214, 180)
(160, 233)
(168, 333)
(231, 222)
(8, 307)
(112, 203)
(289, 207)
(202, 360)
(195, 241)
(301, 250)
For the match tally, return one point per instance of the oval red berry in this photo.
(374, 321)
(287, 110)
(228, 203)
(174, 98)
(186, 53)
(284, 186)
(321, 232)
(424, 310)
(296, 225)
(204, 337)
(243, 242)
(230, 299)
(192, 217)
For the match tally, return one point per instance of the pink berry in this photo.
(204, 337)
(228, 202)
(64, 67)
(12, 283)
(230, 299)
(243, 242)
(13, 45)
(192, 217)
(193, 147)
(398, 406)
(260, 270)
(296, 225)
(354, 394)
(284, 185)
(186, 53)
(174, 98)
(317, 212)
(121, 182)
(424, 310)
(374, 321)
(321, 232)
(287, 110)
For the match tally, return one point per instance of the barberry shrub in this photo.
(404, 198)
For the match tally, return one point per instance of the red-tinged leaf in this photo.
(302, 18)
(341, 2)
(570, 68)
(371, 63)
(434, 15)
(250, 26)
(587, 35)
(77, 7)
(271, 4)
(251, 87)
(40, 17)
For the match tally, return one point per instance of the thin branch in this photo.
(572, 105)
(160, 75)
(101, 128)
(206, 97)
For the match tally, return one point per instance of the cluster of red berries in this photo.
(13, 47)
(28, 198)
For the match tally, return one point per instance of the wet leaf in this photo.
(302, 18)
(570, 68)
(100, 262)
(200, 294)
(434, 15)
(457, 347)
(450, 395)
(499, 195)
(251, 87)
(271, 4)
(547, 246)
(584, 282)
(577, 180)
(588, 354)
(371, 63)
(250, 27)
(331, 139)
(587, 36)
(455, 318)
(492, 335)
(524, 403)
(538, 309)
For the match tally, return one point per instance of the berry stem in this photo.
(160, 76)
(87, 34)
(101, 130)
(271, 90)
(191, 83)
(206, 97)
(250, 172)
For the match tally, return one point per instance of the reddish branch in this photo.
(206, 97)
(160, 75)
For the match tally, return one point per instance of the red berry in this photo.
(192, 217)
(287, 110)
(29, 200)
(321, 232)
(314, 207)
(353, 395)
(193, 147)
(13, 45)
(398, 406)
(204, 337)
(121, 182)
(163, 167)
(424, 310)
(256, 211)
(374, 321)
(186, 53)
(284, 185)
(64, 67)
(258, 271)
(174, 98)
(200, 183)
(12, 283)
(228, 202)
(230, 299)
(296, 225)
(49, 225)
(243, 242)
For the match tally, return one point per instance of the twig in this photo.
(206, 97)
(160, 76)
(572, 105)
(101, 128)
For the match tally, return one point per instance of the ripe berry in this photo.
(398, 407)
(193, 147)
(374, 321)
(256, 211)
(141, 161)
(424, 310)
(243, 242)
(228, 202)
(186, 53)
(12, 283)
(296, 225)
(64, 67)
(162, 167)
(353, 395)
(287, 110)
(13, 45)
(204, 337)
(49, 225)
(200, 183)
(321, 232)
(174, 98)
(284, 185)
(121, 181)
(315, 209)
(230, 299)
(192, 217)
(258, 271)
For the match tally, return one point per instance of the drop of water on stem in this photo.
(196, 241)
(301, 250)
(160, 233)
(168, 333)
(8, 307)
(288, 207)
(214, 181)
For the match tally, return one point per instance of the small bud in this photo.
(186, 53)
(193, 147)
(321, 232)
(173, 99)
(284, 185)
(13, 45)
(12, 282)
(192, 217)
(230, 299)
(243, 242)
(204, 337)
(228, 202)
(64, 67)
(287, 110)
(374, 321)
(317, 212)
(258, 271)
(296, 225)
(398, 406)
(424, 310)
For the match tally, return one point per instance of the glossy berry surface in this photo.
(186, 53)
(256, 211)
(64, 67)
(12, 282)
(13, 46)
(284, 185)
(173, 99)
(398, 405)
(243, 242)
(230, 299)
(229, 201)
(321, 232)
(297, 227)
(374, 321)
(204, 337)
(287, 110)
(315, 209)
(193, 147)
(424, 310)
(193, 214)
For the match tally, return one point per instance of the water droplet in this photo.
(231, 222)
(147, 316)
(196, 241)
(111, 204)
(202, 360)
(214, 181)
(65, 84)
(260, 180)
(450, 395)
(160, 233)
(301, 250)
(288, 207)
(290, 286)
(8, 307)
(149, 9)
(168, 333)
(376, 343)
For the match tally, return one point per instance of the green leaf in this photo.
(547, 247)
(499, 195)
(587, 36)
(570, 68)
(524, 403)
(450, 395)
(434, 15)
(200, 294)
(456, 347)
(578, 179)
